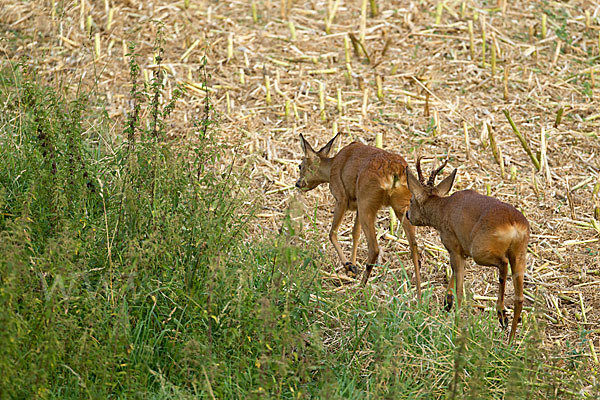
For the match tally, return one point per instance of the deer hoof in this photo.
(351, 270)
(448, 302)
(503, 318)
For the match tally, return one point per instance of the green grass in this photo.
(126, 271)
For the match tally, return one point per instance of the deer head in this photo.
(315, 167)
(418, 213)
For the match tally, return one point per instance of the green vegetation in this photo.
(126, 271)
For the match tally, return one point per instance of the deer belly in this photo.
(352, 205)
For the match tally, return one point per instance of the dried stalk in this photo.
(534, 160)
(254, 12)
(229, 46)
(493, 61)
(570, 199)
(379, 83)
(471, 40)
(97, 45)
(268, 90)
(543, 156)
(374, 10)
(331, 10)
(495, 149)
(483, 40)
(559, 115)
(292, 29)
(322, 101)
(544, 28)
(365, 102)
(438, 13)
(363, 23)
(467, 142)
(505, 82)
(359, 47)
(596, 198)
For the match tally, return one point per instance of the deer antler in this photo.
(431, 180)
(419, 172)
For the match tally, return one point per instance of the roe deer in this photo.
(365, 179)
(470, 224)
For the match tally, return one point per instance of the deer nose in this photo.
(298, 184)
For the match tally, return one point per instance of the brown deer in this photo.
(470, 224)
(365, 179)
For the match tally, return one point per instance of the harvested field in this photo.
(429, 77)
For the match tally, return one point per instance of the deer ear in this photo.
(324, 152)
(415, 187)
(306, 147)
(444, 187)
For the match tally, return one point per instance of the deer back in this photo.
(359, 169)
(467, 221)
(474, 218)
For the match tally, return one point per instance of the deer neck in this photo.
(325, 169)
(437, 212)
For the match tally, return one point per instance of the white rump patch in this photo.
(387, 182)
(509, 232)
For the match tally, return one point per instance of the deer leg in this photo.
(338, 214)
(449, 296)
(355, 237)
(410, 231)
(459, 278)
(367, 222)
(518, 274)
(503, 272)
(458, 273)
